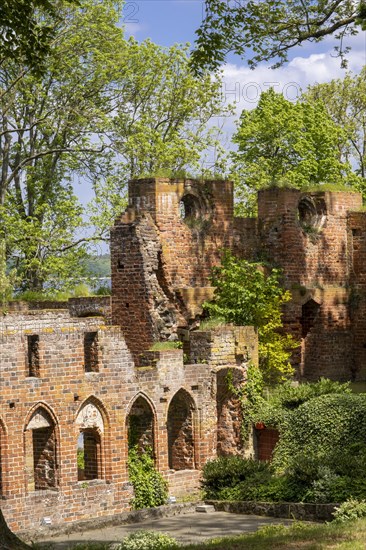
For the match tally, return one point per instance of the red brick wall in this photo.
(63, 389)
(317, 265)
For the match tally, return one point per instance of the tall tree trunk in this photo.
(9, 541)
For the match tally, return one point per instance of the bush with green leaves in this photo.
(329, 430)
(148, 540)
(248, 294)
(229, 472)
(350, 510)
(149, 486)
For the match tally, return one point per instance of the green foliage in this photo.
(81, 459)
(246, 295)
(104, 109)
(147, 540)
(284, 398)
(268, 30)
(345, 101)
(149, 486)
(328, 430)
(350, 510)
(163, 346)
(7, 278)
(223, 476)
(321, 454)
(23, 33)
(288, 144)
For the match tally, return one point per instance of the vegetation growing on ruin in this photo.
(246, 293)
(166, 346)
(150, 489)
(321, 454)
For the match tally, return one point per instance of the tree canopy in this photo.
(267, 30)
(345, 102)
(285, 143)
(103, 109)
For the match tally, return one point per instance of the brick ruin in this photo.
(83, 376)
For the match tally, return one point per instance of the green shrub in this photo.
(350, 510)
(149, 486)
(329, 430)
(225, 473)
(147, 540)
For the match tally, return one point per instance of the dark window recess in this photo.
(91, 352)
(44, 458)
(33, 355)
(309, 313)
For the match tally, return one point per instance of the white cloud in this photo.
(132, 29)
(243, 86)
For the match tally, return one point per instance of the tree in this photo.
(246, 295)
(285, 143)
(160, 125)
(51, 127)
(104, 109)
(269, 29)
(345, 101)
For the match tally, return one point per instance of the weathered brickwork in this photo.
(65, 406)
(79, 381)
(310, 236)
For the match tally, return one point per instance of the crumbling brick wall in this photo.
(45, 415)
(306, 235)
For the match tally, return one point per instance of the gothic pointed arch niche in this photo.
(91, 424)
(41, 442)
(140, 424)
(181, 436)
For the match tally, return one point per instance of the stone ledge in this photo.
(293, 510)
(134, 516)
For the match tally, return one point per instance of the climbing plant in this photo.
(149, 486)
(247, 293)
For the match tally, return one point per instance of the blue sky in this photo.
(165, 22)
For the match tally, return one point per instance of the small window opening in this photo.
(91, 352)
(33, 355)
(189, 207)
(309, 313)
(44, 458)
(312, 212)
(89, 455)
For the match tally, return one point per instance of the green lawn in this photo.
(304, 536)
(301, 536)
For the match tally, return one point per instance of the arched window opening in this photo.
(309, 313)
(140, 426)
(89, 455)
(190, 207)
(181, 432)
(90, 442)
(229, 416)
(312, 212)
(41, 452)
